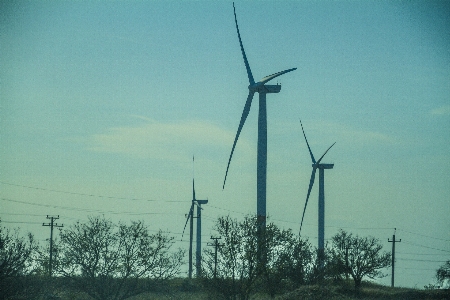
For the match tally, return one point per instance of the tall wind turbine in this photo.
(317, 165)
(263, 89)
(190, 217)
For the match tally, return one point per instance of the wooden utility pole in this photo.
(215, 245)
(393, 255)
(346, 248)
(51, 224)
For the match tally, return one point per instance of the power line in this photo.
(340, 227)
(425, 260)
(151, 230)
(19, 222)
(14, 214)
(86, 195)
(294, 222)
(426, 247)
(238, 212)
(416, 269)
(422, 254)
(446, 240)
(86, 210)
(429, 254)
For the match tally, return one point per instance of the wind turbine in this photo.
(190, 217)
(263, 89)
(198, 253)
(317, 165)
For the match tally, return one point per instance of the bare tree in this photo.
(16, 262)
(109, 261)
(443, 273)
(236, 260)
(294, 261)
(359, 256)
(241, 269)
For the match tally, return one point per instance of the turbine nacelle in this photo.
(198, 203)
(323, 166)
(262, 88)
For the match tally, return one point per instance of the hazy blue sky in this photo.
(103, 106)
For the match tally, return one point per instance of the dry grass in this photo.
(366, 292)
(179, 290)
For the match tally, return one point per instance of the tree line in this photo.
(237, 269)
(105, 260)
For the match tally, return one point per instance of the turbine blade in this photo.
(187, 220)
(245, 112)
(247, 66)
(193, 190)
(318, 162)
(272, 76)
(311, 183)
(310, 152)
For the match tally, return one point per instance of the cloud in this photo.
(443, 110)
(168, 141)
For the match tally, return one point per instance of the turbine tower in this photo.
(190, 217)
(198, 253)
(321, 226)
(263, 89)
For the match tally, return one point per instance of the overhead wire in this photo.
(431, 237)
(423, 260)
(22, 214)
(154, 200)
(87, 195)
(19, 222)
(85, 209)
(403, 253)
(418, 245)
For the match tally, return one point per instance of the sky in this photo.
(104, 104)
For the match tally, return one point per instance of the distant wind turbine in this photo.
(263, 89)
(317, 165)
(190, 217)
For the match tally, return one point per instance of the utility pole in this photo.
(393, 255)
(215, 245)
(346, 247)
(51, 224)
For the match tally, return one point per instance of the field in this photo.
(330, 291)
(183, 289)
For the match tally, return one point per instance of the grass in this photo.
(367, 291)
(341, 291)
(183, 289)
